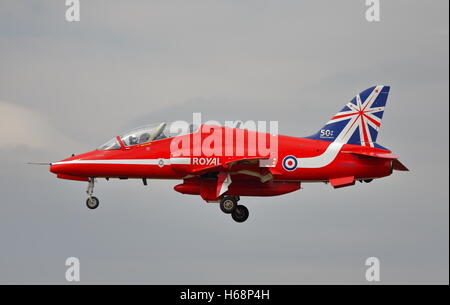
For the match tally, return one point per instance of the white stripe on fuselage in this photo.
(322, 160)
(313, 162)
(130, 161)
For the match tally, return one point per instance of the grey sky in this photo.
(69, 87)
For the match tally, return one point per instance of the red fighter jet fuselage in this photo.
(342, 152)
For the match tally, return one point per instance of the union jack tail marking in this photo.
(359, 121)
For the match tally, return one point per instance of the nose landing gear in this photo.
(92, 202)
(229, 205)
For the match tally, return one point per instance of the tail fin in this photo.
(359, 121)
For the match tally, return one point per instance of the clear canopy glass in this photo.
(111, 144)
(150, 133)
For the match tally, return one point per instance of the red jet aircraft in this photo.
(340, 153)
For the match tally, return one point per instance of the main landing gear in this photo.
(91, 202)
(229, 205)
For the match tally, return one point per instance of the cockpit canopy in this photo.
(150, 133)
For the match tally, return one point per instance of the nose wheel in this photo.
(92, 202)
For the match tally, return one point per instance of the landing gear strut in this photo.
(91, 202)
(229, 205)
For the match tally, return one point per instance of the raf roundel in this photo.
(290, 163)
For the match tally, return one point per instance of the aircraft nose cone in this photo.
(61, 167)
(56, 168)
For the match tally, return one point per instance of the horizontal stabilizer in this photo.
(374, 154)
(399, 166)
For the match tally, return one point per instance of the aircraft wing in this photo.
(239, 163)
(254, 167)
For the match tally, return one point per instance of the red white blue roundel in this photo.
(290, 163)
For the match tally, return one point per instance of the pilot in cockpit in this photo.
(144, 138)
(132, 140)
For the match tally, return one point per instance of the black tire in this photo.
(228, 204)
(92, 203)
(368, 180)
(240, 213)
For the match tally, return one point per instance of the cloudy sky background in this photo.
(68, 87)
